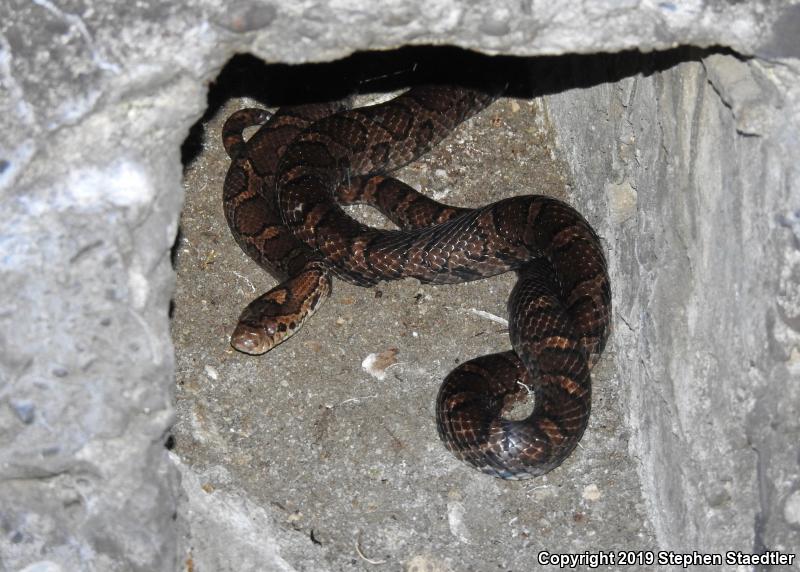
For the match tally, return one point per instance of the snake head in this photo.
(277, 315)
(266, 322)
(257, 340)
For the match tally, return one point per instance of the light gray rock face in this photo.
(691, 168)
(694, 168)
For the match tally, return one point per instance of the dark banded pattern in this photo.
(559, 310)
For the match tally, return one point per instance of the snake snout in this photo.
(249, 340)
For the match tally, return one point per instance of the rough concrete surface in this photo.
(707, 326)
(685, 162)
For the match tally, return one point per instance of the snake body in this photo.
(282, 200)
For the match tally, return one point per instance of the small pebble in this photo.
(24, 409)
(591, 492)
(791, 509)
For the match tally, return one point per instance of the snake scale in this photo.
(282, 200)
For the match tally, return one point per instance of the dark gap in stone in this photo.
(173, 251)
(364, 72)
(173, 259)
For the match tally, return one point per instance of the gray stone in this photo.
(687, 170)
(704, 350)
(227, 531)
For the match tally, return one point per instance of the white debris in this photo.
(377, 364)
(489, 316)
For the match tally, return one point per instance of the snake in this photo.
(283, 198)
